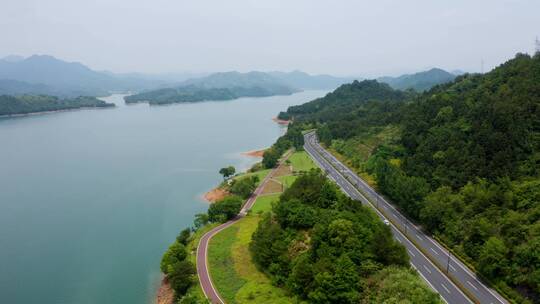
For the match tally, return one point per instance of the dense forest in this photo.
(194, 94)
(326, 248)
(217, 86)
(462, 159)
(25, 104)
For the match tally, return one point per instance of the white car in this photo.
(386, 222)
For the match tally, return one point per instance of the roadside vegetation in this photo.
(323, 247)
(462, 159)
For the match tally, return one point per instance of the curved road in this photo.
(202, 249)
(441, 270)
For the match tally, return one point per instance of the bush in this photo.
(175, 253)
(244, 187)
(225, 209)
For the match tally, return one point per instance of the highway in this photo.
(441, 270)
(202, 249)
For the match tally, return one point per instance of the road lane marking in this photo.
(411, 253)
(427, 269)
(320, 161)
(472, 285)
(445, 288)
(434, 250)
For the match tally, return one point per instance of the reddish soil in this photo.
(215, 195)
(165, 293)
(281, 121)
(254, 153)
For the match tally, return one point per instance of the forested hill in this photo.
(420, 81)
(347, 110)
(462, 159)
(218, 86)
(26, 104)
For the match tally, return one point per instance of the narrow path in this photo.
(203, 272)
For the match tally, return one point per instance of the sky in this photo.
(339, 37)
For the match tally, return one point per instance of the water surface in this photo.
(90, 199)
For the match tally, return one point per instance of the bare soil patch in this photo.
(254, 153)
(165, 293)
(215, 195)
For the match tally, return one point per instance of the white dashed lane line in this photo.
(445, 288)
(472, 285)
(427, 269)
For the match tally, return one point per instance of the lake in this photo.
(90, 199)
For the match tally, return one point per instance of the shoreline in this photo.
(281, 121)
(215, 195)
(254, 153)
(218, 193)
(55, 111)
(165, 293)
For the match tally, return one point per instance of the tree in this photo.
(227, 171)
(180, 275)
(270, 158)
(175, 253)
(201, 219)
(244, 187)
(183, 237)
(493, 260)
(225, 209)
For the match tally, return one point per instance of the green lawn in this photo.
(301, 161)
(196, 290)
(287, 180)
(233, 272)
(264, 203)
(261, 174)
(221, 264)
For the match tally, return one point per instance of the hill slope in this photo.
(463, 159)
(218, 86)
(419, 81)
(43, 74)
(303, 80)
(11, 105)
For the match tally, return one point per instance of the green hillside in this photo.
(462, 159)
(25, 104)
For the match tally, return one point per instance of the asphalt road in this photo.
(423, 250)
(202, 249)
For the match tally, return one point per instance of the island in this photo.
(28, 104)
(218, 86)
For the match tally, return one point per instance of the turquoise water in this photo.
(90, 199)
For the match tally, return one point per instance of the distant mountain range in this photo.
(419, 81)
(47, 75)
(218, 86)
(305, 81)
(43, 74)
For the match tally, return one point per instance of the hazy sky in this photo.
(365, 38)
